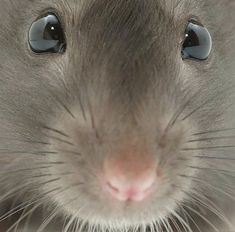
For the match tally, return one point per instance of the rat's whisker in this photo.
(25, 141)
(182, 221)
(78, 95)
(168, 226)
(29, 182)
(25, 215)
(40, 153)
(208, 185)
(195, 195)
(178, 113)
(212, 170)
(206, 102)
(214, 158)
(191, 218)
(201, 200)
(201, 216)
(50, 175)
(25, 170)
(63, 105)
(51, 162)
(12, 152)
(57, 131)
(70, 152)
(53, 214)
(59, 139)
(211, 139)
(93, 122)
(28, 203)
(213, 131)
(173, 221)
(207, 148)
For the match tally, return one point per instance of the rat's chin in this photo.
(118, 215)
(121, 219)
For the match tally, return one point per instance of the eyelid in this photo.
(57, 13)
(195, 19)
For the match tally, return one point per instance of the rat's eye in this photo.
(46, 35)
(198, 43)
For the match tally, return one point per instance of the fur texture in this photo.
(120, 80)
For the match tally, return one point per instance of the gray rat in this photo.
(117, 115)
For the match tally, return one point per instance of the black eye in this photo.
(46, 35)
(197, 43)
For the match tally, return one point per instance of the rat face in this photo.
(104, 104)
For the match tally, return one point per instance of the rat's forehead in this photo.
(73, 8)
(177, 10)
(169, 6)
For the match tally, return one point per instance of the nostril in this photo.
(115, 189)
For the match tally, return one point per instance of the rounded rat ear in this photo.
(46, 35)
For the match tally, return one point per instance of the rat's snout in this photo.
(130, 176)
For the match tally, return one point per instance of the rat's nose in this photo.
(129, 178)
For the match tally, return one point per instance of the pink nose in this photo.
(128, 180)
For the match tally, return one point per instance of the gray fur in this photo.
(121, 79)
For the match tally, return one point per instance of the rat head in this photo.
(101, 100)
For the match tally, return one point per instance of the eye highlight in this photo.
(46, 35)
(198, 42)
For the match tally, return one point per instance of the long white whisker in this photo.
(201, 216)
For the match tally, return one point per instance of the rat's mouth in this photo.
(108, 212)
